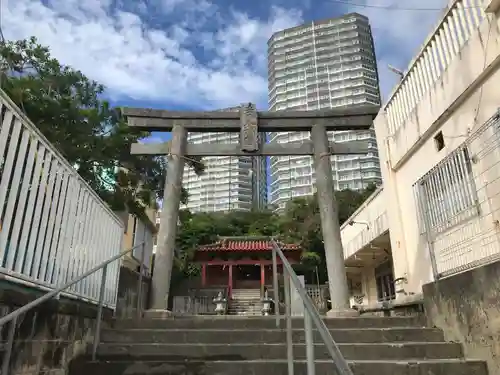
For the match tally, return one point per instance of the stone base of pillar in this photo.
(344, 313)
(158, 314)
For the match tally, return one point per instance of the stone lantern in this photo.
(267, 304)
(220, 304)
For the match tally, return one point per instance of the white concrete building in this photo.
(438, 213)
(325, 64)
(229, 182)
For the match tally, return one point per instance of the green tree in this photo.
(70, 111)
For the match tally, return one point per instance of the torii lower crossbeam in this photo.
(269, 149)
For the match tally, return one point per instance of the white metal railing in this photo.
(312, 319)
(53, 226)
(459, 22)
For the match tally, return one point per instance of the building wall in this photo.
(229, 182)
(319, 65)
(367, 223)
(458, 103)
(138, 231)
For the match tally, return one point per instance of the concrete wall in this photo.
(48, 337)
(128, 292)
(467, 307)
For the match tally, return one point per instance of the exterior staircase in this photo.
(253, 345)
(245, 302)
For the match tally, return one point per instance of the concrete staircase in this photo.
(253, 345)
(245, 302)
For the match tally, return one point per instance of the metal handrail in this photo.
(12, 317)
(311, 314)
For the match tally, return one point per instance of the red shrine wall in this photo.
(217, 275)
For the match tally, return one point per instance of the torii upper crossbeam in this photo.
(354, 118)
(249, 122)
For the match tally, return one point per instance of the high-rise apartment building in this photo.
(318, 65)
(229, 182)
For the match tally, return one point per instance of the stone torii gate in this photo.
(248, 122)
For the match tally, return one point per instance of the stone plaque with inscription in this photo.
(249, 134)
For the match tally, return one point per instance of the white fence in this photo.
(454, 30)
(53, 227)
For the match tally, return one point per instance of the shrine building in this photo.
(244, 263)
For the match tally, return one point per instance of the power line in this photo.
(392, 7)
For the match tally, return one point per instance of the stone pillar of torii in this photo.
(249, 122)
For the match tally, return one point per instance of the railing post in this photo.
(331, 346)
(288, 314)
(97, 333)
(8, 348)
(139, 286)
(276, 290)
(311, 370)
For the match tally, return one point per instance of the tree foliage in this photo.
(71, 112)
(299, 223)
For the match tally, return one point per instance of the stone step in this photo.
(255, 323)
(243, 307)
(245, 303)
(245, 312)
(271, 336)
(399, 351)
(246, 296)
(228, 366)
(245, 291)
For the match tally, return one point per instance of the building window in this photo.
(446, 195)
(384, 278)
(439, 141)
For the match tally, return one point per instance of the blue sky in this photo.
(199, 54)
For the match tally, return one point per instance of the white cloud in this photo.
(208, 57)
(221, 65)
